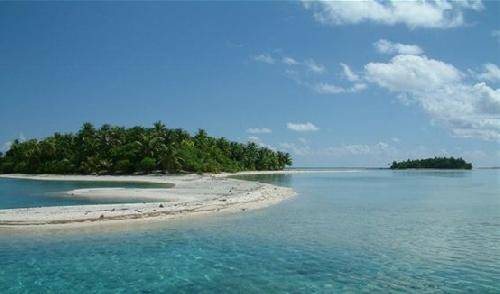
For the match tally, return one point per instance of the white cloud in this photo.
(348, 73)
(380, 148)
(254, 139)
(381, 154)
(299, 74)
(441, 90)
(6, 146)
(21, 138)
(412, 73)
(357, 87)
(488, 100)
(359, 149)
(314, 67)
(387, 47)
(327, 88)
(302, 127)
(302, 150)
(259, 142)
(491, 73)
(289, 61)
(265, 58)
(413, 14)
(302, 140)
(395, 139)
(259, 130)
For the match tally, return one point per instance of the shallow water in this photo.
(375, 230)
(20, 193)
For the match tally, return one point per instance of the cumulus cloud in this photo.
(412, 73)
(442, 91)
(264, 58)
(387, 47)
(413, 14)
(259, 130)
(348, 73)
(302, 127)
(491, 72)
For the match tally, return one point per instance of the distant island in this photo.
(118, 150)
(436, 163)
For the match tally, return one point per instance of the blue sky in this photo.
(333, 83)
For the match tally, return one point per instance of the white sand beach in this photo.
(190, 195)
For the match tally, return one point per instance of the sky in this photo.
(333, 83)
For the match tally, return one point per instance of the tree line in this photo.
(118, 150)
(436, 162)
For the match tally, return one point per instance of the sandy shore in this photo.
(185, 195)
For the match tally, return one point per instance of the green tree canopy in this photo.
(435, 163)
(117, 150)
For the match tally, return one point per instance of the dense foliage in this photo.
(118, 150)
(436, 162)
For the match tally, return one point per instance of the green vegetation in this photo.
(118, 150)
(436, 162)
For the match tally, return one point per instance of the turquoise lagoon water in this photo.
(16, 193)
(372, 231)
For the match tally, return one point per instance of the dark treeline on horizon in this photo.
(119, 150)
(436, 162)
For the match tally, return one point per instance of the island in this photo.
(137, 150)
(432, 163)
(195, 173)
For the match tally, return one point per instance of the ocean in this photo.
(368, 230)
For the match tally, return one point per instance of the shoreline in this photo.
(184, 196)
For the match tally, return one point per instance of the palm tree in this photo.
(126, 150)
(170, 160)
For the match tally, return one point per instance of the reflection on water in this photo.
(436, 173)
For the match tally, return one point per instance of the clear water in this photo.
(16, 193)
(372, 231)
